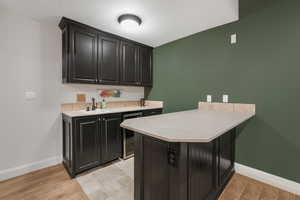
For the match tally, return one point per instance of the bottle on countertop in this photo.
(142, 102)
(103, 104)
(94, 104)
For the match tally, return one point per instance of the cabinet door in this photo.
(145, 63)
(129, 64)
(111, 140)
(87, 143)
(108, 55)
(83, 67)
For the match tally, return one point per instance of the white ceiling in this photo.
(163, 20)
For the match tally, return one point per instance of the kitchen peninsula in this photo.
(186, 155)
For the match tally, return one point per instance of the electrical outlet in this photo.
(233, 39)
(225, 98)
(208, 98)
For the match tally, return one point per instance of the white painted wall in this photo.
(30, 60)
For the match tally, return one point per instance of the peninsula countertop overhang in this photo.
(188, 126)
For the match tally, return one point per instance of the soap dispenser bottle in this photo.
(103, 103)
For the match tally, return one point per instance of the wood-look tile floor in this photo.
(54, 183)
(244, 188)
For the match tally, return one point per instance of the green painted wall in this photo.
(263, 68)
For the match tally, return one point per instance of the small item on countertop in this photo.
(81, 98)
(110, 93)
(142, 102)
(88, 108)
(94, 105)
(103, 104)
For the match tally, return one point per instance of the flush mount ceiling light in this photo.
(130, 22)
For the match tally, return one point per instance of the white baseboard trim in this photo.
(270, 179)
(27, 168)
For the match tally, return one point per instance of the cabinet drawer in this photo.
(152, 112)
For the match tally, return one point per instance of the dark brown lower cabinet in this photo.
(93, 140)
(87, 136)
(111, 140)
(90, 141)
(182, 171)
(67, 143)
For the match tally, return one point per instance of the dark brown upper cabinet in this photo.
(96, 57)
(145, 64)
(109, 60)
(130, 70)
(83, 47)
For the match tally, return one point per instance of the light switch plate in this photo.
(208, 98)
(225, 98)
(233, 39)
(30, 95)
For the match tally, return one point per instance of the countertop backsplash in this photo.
(70, 91)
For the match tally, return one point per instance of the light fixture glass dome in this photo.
(130, 22)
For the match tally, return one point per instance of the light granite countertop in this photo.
(82, 113)
(187, 126)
